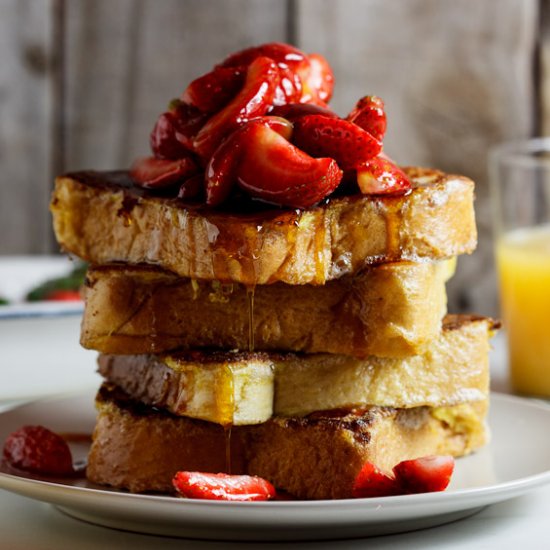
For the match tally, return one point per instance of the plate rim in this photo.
(516, 485)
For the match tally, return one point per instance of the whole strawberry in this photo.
(37, 449)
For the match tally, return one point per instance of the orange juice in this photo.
(523, 259)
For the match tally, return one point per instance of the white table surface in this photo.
(522, 522)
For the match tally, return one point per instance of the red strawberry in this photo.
(192, 187)
(370, 115)
(253, 100)
(425, 475)
(380, 176)
(37, 449)
(63, 295)
(153, 173)
(173, 134)
(221, 172)
(222, 486)
(290, 61)
(317, 80)
(212, 91)
(283, 54)
(274, 170)
(372, 482)
(289, 89)
(345, 142)
(294, 111)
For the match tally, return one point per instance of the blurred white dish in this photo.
(20, 274)
(41, 356)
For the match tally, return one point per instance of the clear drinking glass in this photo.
(520, 193)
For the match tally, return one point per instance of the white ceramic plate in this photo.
(517, 460)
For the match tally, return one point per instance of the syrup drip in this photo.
(227, 434)
(250, 299)
(226, 409)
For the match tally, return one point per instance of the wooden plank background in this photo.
(82, 82)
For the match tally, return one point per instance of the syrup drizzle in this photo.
(227, 433)
(250, 299)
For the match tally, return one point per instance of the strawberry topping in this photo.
(253, 100)
(154, 173)
(325, 136)
(260, 159)
(369, 114)
(37, 449)
(294, 157)
(380, 176)
(238, 488)
(214, 90)
(173, 134)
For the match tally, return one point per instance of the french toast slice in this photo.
(102, 217)
(139, 448)
(392, 309)
(240, 388)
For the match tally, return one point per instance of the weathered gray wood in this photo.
(456, 76)
(127, 59)
(25, 144)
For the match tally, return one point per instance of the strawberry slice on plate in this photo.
(326, 136)
(253, 100)
(154, 173)
(425, 475)
(373, 482)
(381, 176)
(370, 115)
(236, 488)
(37, 449)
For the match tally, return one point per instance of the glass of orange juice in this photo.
(520, 193)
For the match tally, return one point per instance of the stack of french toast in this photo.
(289, 338)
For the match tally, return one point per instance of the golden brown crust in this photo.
(455, 369)
(141, 449)
(392, 309)
(109, 222)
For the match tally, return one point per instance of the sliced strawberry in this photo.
(214, 90)
(37, 449)
(289, 89)
(63, 295)
(163, 140)
(282, 54)
(153, 173)
(262, 79)
(290, 60)
(274, 170)
(345, 142)
(373, 482)
(173, 134)
(294, 111)
(222, 486)
(425, 475)
(370, 115)
(221, 172)
(192, 188)
(317, 80)
(380, 176)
